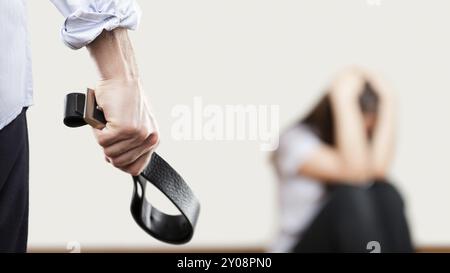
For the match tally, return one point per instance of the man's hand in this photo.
(131, 133)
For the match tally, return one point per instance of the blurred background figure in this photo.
(332, 166)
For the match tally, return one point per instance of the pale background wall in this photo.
(239, 52)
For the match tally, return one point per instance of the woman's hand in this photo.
(380, 86)
(348, 84)
(351, 153)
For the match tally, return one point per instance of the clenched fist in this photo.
(131, 132)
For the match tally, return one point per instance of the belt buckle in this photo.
(93, 114)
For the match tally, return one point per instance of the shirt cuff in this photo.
(86, 20)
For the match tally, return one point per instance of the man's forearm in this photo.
(114, 55)
(131, 133)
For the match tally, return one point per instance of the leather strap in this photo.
(175, 229)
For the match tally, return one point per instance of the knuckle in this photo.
(156, 139)
(118, 163)
(114, 163)
(108, 152)
(129, 129)
(107, 139)
(138, 132)
(102, 141)
(153, 140)
(142, 135)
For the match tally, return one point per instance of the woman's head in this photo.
(321, 118)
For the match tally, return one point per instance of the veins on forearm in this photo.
(113, 53)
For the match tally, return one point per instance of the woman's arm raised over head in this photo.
(349, 160)
(383, 142)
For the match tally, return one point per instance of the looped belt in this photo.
(81, 109)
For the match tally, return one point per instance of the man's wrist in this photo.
(114, 56)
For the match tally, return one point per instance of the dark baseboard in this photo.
(423, 249)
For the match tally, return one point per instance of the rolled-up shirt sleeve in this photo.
(86, 19)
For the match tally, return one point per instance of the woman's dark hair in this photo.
(321, 120)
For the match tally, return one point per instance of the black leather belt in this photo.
(81, 109)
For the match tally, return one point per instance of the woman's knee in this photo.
(353, 212)
(387, 193)
(348, 194)
(351, 201)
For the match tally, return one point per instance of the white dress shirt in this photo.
(84, 21)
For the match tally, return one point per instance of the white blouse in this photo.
(300, 198)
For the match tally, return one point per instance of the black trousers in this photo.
(355, 216)
(14, 169)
